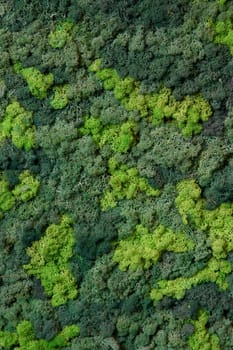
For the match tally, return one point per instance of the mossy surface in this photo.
(49, 262)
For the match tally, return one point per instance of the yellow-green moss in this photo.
(124, 183)
(61, 35)
(143, 248)
(217, 224)
(38, 83)
(201, 339)
(224, 33)
(24, 338)
(215, 271)
(120, 137)
(49, 262)
(17, 124)
(157, 107)
(24, 191)
(60, 98)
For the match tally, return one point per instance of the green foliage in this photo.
(224, 33)
(60, 98)
(38, 83)
(144, 248)
(120, 137)
(124, 183)
(27, 188)
(188, 113)
(24, 338)
(201, 339)
(17, 124)
(49, 262)
(61, 35)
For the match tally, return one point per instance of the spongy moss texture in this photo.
(116, 161)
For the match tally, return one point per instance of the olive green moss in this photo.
(25, 190)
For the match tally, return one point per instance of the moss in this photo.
(217, 224)
(124, 183)
(119, 137)
(201, 339)
(216, 271)
(24, 191)
(24, 338)
(27, 188)
(188, 113)
(49, 262)
(143, 248)
(17, 124)
(7, 200)
(38, 83)
(224, 33)
(61, 35)
(60, 98)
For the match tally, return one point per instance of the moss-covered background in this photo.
(116, 164)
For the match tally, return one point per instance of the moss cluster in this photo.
(188, 113)
(24, 191)
(120, 137)
(24, 338)
(60, 98)
(143, 248)
(201, 339)
(49, 262)
(38, 83)
(217, 224)
(59, 37)
(17, 125)
(124, 183)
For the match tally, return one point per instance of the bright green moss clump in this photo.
(217, 224)
(7, 199)
(27, 188)
(60, 98)
(38, 83)
(24, 191)
(143, 248)
(49, 262)
(59, 37)
(201, 339)
(188, 113)
(17, 124)
(124, 183)
(224, 33)
(215, 271)
(120, 137)
(24, 338)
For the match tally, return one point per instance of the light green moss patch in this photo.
(49, 262)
